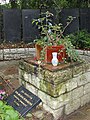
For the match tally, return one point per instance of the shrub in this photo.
(8, 113)
(80, 39)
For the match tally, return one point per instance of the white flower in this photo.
(50, 23)
(39, 62)
(49, 31)
(39, 20)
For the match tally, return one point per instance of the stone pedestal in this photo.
(62, 89)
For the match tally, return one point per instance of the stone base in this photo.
(62, 89)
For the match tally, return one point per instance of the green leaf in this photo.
(12, 114)
(7, 117)
(1, 104)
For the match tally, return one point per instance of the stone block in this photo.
(31, 88)
(29, 78)
(31, 49)
(6, 51)
(1, 51)
(23, 83)
(35, 81)
(26, 76)
(42, 96)
(86, 66)
(73, 105)
(21, 74)
(71, 84)
(21, 65)
(52, 89)
(1, 56)
(81, 52)
(13, 50)
(54, 103)
(77, 70)
(56, 113)
(58, 76)
(29, 68)
(82, 79)
(87, 74)
(85, 99)
(77, 93)
(21, 50)
(8, 56)
(87, 88)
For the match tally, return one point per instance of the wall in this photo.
(16, 53)
(62, 91)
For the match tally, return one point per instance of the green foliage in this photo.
(80, 39)
(13, 3)
(78, 3)
(8, 113)
(59, 4)
(71, 3)
(52, 34)
(70, 49)
(28, 4)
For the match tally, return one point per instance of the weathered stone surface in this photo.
(35, 81)
(87, 88)
(59, 76)
(71, 84)
(77, 70)
(39, 115)
(86, 66)
(29, 68)
(1, 51)
(32, 89)
(52, 89)
(77, 93)
(62, 91)
(16, 53)
(6, 51)
(72, 106)
(1, 57)
(56, 113)
(26, 76)
(54, 103)
(23, 83)
(87, 74)
(85, 99)
(29, 78)
(81, 80)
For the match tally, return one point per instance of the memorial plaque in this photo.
(23, 100)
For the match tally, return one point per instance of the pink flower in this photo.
(35, 58)
(2, 94)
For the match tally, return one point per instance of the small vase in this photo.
(54, 59)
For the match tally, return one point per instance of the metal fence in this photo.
(16, 25)
(0, 24)
(12, 25)
(74, 26)
(30, 32)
